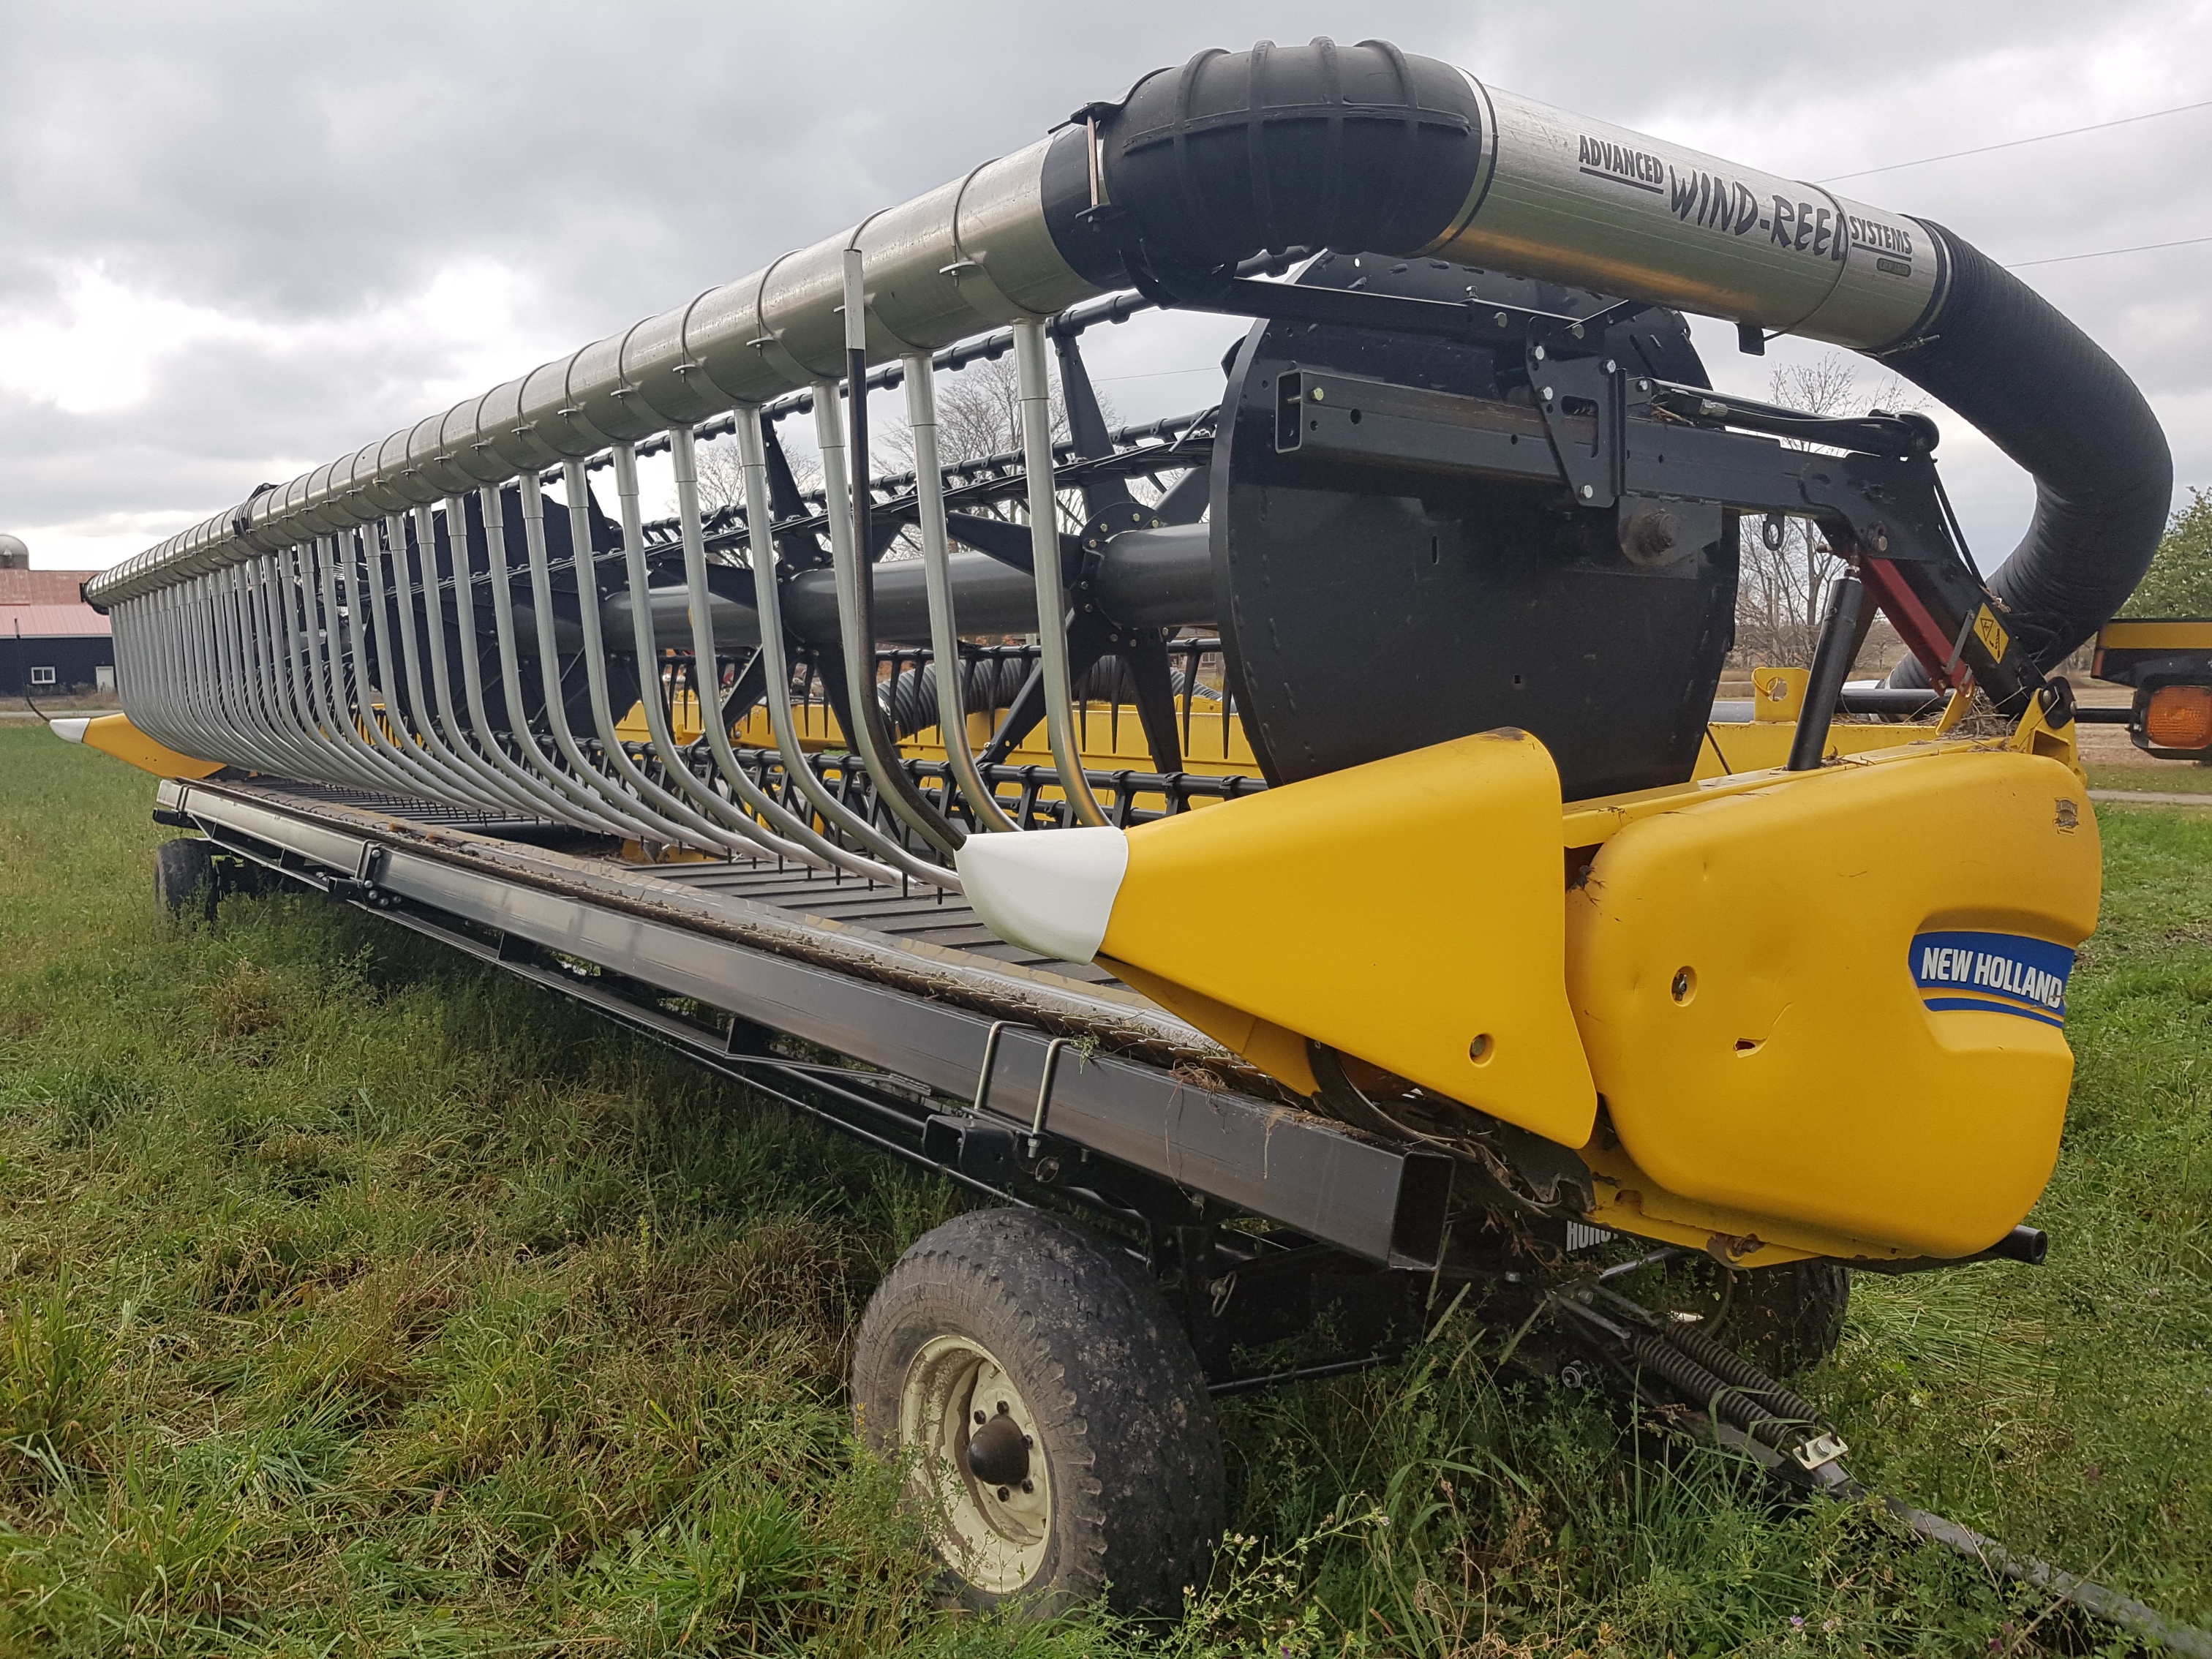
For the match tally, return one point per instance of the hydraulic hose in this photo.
(2049, 397)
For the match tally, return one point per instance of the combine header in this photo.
(1293, 842)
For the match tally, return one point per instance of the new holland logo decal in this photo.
(1994, 973)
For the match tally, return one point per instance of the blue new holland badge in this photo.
(1993, 973)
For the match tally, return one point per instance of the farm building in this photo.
(50, 639)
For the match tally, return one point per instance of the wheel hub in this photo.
(999, 1452)
(979, 1462)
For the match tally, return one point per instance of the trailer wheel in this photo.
(1789, 1318)
(1055, 1414)
(184, 878)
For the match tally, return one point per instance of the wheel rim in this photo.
(955, 1389)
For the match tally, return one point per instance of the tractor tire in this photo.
(185, 879)
(1040, 1394)
(1785, 1319)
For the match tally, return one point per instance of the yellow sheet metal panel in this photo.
(1280, 1053)
(1778, 694)
(1630, 1201)
(1407, 912)
(114, 734)
(1755, 745)
(1838, 998)
(2169, 634)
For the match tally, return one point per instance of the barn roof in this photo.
(49, 622)
(19, 586)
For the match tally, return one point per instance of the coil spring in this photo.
(1733, 1367)
(1738, 1405)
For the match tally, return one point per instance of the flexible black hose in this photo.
(2049, 397)
(990, 684)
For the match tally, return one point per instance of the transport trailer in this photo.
(895, 1017)
(2168, 661)
(1290, 853)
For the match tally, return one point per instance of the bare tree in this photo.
(1787, 563)
(979, 414)
(722, 478)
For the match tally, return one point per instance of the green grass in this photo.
(2162, 777)
(354, 1300)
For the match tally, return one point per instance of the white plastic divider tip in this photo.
(1051, 892)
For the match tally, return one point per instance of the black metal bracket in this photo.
(1606, 436)
(1877, 434)
(1472, 320)
(1589, 387)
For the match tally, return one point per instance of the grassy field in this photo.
(354, 1301)
(2159, 777)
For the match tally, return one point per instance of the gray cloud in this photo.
(295, 184)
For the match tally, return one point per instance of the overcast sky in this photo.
(240, 239)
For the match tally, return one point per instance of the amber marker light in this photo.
(2179, 717)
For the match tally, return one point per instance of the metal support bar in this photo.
(853, 555)
(683, 824)
(617, 804)
(395, 610)
(797, 838)
(768, 597)
(990, 1063)
(1052, 1053)
(1035, 391)
(461, 743)
(674, 764)
(944, 625)
(581, 808)
(551, 802)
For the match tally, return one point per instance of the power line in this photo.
(1155, 374)
(2013, 143)
(2107, 252)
